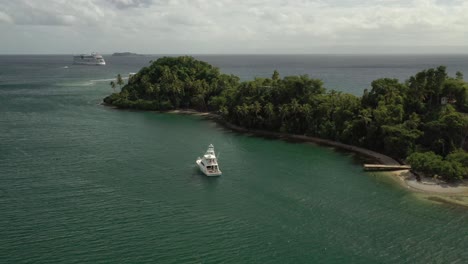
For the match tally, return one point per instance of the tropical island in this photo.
(422, 121)
(125, 54)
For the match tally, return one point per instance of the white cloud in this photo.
(53, 13)
(123, 4)
(229, 26)
(4, 18)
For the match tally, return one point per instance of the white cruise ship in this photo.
(89, 59)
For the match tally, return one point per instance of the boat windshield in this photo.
(210, 151)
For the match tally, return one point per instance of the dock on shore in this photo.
(380, 167)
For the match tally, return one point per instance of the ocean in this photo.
(85, 183)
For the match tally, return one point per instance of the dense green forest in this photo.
(421, 121)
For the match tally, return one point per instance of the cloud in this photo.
(230, 26)
(124, 4)
(52, 13)
(4, 18)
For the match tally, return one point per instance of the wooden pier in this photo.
(380, 167)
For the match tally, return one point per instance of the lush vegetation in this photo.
(118, 81)
(400, 119)
(454, 166)
(171, 83)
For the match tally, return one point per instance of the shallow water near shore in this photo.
(84, 183)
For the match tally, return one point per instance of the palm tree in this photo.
(120, 81)
(269, 111)
(365, 116)
(112, 84)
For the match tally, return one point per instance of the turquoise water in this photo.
(84, 183)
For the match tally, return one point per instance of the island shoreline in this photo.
(443, 192)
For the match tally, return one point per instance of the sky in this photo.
(233, 26)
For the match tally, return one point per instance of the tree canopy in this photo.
(422, 119)
(171, 83)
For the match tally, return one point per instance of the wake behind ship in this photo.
(89, 59)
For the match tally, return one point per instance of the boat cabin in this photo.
(209, 163)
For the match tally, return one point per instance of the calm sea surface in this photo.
(83, 183)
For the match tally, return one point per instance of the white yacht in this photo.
(209, 163)
(89, 59)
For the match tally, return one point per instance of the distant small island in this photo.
(423, 121)
(126, 54)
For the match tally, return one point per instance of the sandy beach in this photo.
(434, 190)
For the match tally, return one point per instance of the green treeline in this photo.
(422, 121)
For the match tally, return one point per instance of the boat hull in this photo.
(206, 172)
(89, 63)
(89, 59)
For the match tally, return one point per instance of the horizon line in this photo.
(237, 54)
